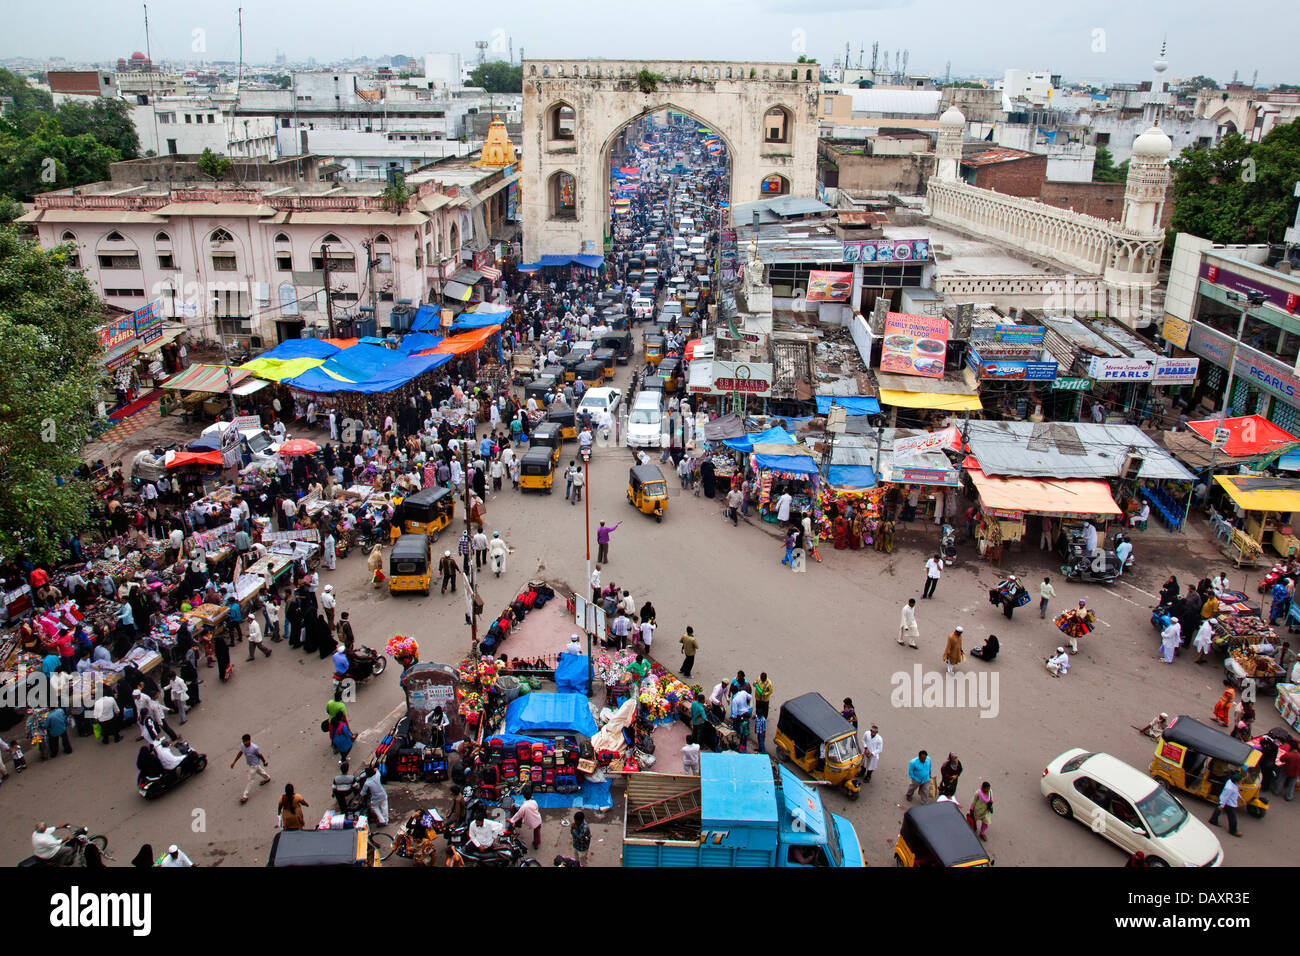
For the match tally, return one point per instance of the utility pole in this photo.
(374, 295)
(469, 556)
(1248, 301)
(329, 298)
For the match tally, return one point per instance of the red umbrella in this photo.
(299, 446)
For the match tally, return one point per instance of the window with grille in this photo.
(1285, 416)
(124, 261)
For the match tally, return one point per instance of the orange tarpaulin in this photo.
(469, 342)
(1063, 497)
(1248, 436)
(342, 343)
(183, 458)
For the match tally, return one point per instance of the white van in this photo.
(257, 444)
(697, 245)
(645, 421)
(686, 225)
(679, 244)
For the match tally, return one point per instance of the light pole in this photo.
(1248, 300)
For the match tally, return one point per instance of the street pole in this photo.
(329, 298)
(469, 557)
(1248, 301)
(586, 483)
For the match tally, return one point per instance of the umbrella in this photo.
(206, 443)
(299, 446)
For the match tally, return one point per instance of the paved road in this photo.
(831, 629)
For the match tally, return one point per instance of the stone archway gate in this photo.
(605, 95)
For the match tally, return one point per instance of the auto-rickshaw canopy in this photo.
(537, 461)
(644, 474)
(409, 548)
(548, 434)
(810, 721)
(1194, 735)
(560, 414)
(428, 500)
(940, 832)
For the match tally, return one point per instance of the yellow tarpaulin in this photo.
(1064, 497)
(1262, 494)
(277, 370)
(935, 400)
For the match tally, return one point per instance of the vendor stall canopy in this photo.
(1256, 493)
(852, 404)
(934, 400)
(556, 712)
(206, 378)
(1066, 498)
(1067, 450)
(1248, 436)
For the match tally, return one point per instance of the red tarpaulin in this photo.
(183, 458)
(1248, 436)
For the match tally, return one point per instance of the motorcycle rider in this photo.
(482, 832)
(47, 847)
(170, 759)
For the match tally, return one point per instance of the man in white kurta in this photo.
(872, 745)
(907, 626)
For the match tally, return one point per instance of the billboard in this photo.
(1120, 369)
(887, 250)
(914, 344)
(829, 286)
(148, 322)
(117, 333)
(751, 378)
(1177, 371)
(1008, 369)
(1008, 335)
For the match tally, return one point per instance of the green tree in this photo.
(46, 159)
(1238, 191)
(1193, 84)
(498, 76)
(284, 82)
(1104, 169)
(48, 318)
(26, 98)
(108, 120)
(214, 165)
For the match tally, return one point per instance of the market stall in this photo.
(1005, 503)
(1267, 508)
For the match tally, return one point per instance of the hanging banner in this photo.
(148, 322)
(948, 437)
(886, 250)
(116, 333)
(914, 344)
(1007, 334)
(751, 378)
(1177, 371)
(829, 286)
(1121, 369)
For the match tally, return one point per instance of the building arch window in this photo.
(381, 238)
(777, 125)
(220, 236)
(115, 236)
(453, 240)
(728, 72)
(281, 237)
(162, 239)
(562, 190)
(330, 237)
(561, 121)
(73, 257)
(546, 71)
(775, 185)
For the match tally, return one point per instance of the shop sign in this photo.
(124, 357)
(829, 286)
(751, 378)
(924, 476)
(886, 250)
(1009, 334)
(148, 322)
(1176, 331)
(1010, 369)
(1072, 384)
(1004, 514)
(116, 333)
(914, 344)
(933, 441)
(247, 422)
(1227, 279)
(482, 259)
(1263, 372)
(1120, 369)
(1176, 371)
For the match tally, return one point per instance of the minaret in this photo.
(1148, 180)
(952, 127)
(1153, 111)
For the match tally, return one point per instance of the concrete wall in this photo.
(731, 98)
(1103, 200)
(874, 175)
(977, 105)
(1021, 177)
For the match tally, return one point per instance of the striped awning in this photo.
(206, 378)
(490, 272)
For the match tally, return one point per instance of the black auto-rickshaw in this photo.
(653, 383)
(654, 349)
(322, 848)
(562, 415)
(670, 370)
(427, 512)
(615, 318)
(537, 469)
(1198, 759)
(647, 491)
(608, 358)
(538, 389)
(570, 365)
(817, 739)
(592, 372)
(548, 435)
(408, 564)
(937, 834)
(554, 371)
(620, 342)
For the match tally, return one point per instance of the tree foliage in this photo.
(1238, 191)
(48, 320)
(1104, 169)
(1194, 84)
(214, 165)
(498, 76)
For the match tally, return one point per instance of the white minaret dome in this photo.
(952, 118)
(1153, 145)
(1160, 65)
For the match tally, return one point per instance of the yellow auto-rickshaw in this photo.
(818, 740)
(591, 371)
(548, 435)
(408, 564)
(537, 470)
(670, 370)
(427, 512)
(654, 349)
(647, 491)
(539, 388)
(609, 359)
(570, 365)
(1196, 758)
(562, 415)
(937, 834)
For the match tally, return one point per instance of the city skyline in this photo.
(1110, 42)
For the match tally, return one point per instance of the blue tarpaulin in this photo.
(300, 348)
(374, 340)
(590, 262)
(426, 317)
(854, 477)
(414, 342)
(852, 404)
(564, 712)
(466, 322)
(792, 464)
(206, 443)
(384, 379)
(1289, 462)
(571, 674)
(529, 267)
(360, 362)
(776, 435)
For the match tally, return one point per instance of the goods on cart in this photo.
(1259, 666)
(405, 650)
(1241, 629)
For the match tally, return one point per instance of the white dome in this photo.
(952, 118)
(1153, 144)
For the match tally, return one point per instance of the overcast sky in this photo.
(1099, 40)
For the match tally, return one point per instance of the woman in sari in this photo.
(841, 533)
(855, 532)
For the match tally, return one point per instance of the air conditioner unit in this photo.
(1132, 466)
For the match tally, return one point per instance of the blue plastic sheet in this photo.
(414, 342)
(853, 404)
(562, 712)
(426, 317)
(301, 348)
(385, 380)
(361, 361)
(792, 464)
(590, 262)
(853, 477)
(466, 322)
(776, 435)
(571, 674)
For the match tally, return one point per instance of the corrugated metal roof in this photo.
(991, 157)
(1067, 450)
(905, 102)
(1081, 337)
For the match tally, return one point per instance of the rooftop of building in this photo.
(956, 253)
(995, 156)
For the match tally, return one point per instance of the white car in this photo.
(596, 400)
(1128, 808)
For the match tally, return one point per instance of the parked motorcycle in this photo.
(507, 851)
(193, 763)
(1079, 563)
(948, 544)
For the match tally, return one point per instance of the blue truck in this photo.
(742, 810)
